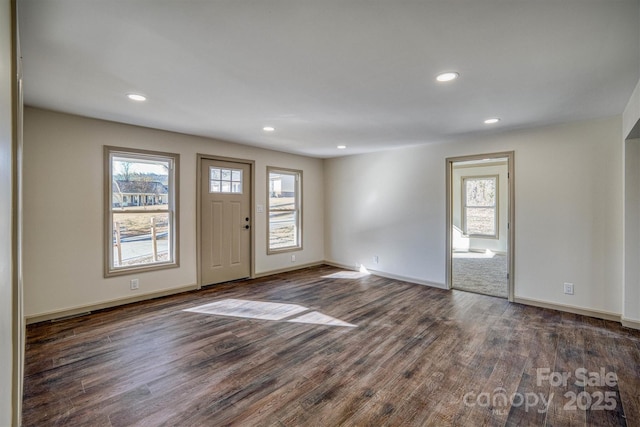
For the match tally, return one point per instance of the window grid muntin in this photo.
(225, 180)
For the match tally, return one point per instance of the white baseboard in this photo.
(42, 317)
(86, 309)
(606, 315)
(408, 279)
(288, 269)
(340, 265)
(390, 275)
(630, 323)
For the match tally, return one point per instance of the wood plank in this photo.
(411, 359)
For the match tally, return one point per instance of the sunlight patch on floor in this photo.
(263, 310)
(250, 309)
(346, 274)
(317, 318)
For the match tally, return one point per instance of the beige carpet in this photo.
(480, 273)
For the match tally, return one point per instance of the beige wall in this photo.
(568, 218)
(63, 219)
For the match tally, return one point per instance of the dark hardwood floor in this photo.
(417, 356)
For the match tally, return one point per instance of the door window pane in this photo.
(223, 180)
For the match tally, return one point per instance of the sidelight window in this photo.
(284, 207)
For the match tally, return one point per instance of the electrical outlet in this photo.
(568, 288)
(293, 258)
(135, 284)
(375, 259)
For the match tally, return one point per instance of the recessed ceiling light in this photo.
(341, 147)
(268, 128)
(136, 97)
(447, 77)
(492, 121)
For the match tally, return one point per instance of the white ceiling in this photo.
(329, 72)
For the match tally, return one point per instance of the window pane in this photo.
(139, 183)
(282, 191)
(481, 221)
(143, 238)
(226, 175)
(214, 187)
(284, 209)
(282, 203)
(236, 175)
(283, 230)
(214, 173)
(226, 187)
(480, 192)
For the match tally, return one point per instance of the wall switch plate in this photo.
(135, 284)
(293, 258)
(260, 208)
(375, 259)
(568, 288)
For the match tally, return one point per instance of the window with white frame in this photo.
(284, 207)
(141, 210)
(480, 206)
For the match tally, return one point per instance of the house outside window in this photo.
(141, 210)
(285, 209)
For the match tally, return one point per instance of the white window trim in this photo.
(297, 210)
(173, 209)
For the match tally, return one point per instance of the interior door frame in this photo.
(251, 163)
(449, 161)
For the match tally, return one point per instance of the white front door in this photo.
(225, 221)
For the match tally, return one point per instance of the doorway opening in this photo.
(480, 226)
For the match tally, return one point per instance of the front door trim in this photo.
(510, 155)
(251, 164)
